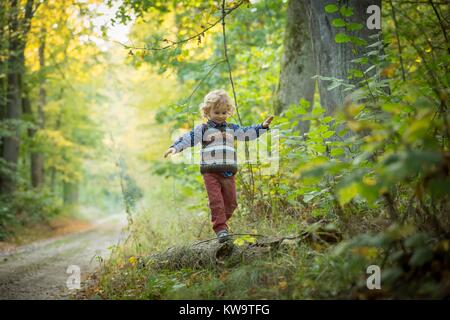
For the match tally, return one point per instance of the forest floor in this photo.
(38, 270)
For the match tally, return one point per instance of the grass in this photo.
(312, 269)
(307, 271)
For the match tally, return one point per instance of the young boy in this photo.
(218, 156)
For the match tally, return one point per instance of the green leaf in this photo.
(391, 274)
(347, 193)
(342, 38)
(304, 103)
(394, 108)
(308, 197)
(356, 73)
(320, 148)
(346, 11)
(370, 68)
(328, 134)
(327, 119)
(317, 111)
(304, 106)
(334, 85)
(240, 241)
(331, 8)
(358, 41)
(338, 23)
(421, 256)
(362, 60)
(337, 152)
(416, 240)
(354, 26)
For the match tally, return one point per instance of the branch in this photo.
(28, 16)
(205, 77)
(228, 60)
(440, 24)
(234, 93)
(175, 43)
(394, 18)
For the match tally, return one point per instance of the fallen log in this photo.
(212, 254)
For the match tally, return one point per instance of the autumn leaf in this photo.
(132, 260)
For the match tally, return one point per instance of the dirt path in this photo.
(38, 270)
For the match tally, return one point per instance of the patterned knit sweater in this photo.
(218, 152)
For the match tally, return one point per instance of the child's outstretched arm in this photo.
(187, 140)
(252, 132)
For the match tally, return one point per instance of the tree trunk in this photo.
(18, 30)
(297, 66)
(70, 191)
(310, 49)
(53, 171)
(10, 147)
(37, 158)
(334, 59)
(212, 254)
(3, 66)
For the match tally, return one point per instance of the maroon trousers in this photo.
(222, 198)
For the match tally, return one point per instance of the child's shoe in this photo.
(223, 236)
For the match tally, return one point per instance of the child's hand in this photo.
(170, 151)
(267, 122)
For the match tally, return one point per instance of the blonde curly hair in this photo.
(216, 98)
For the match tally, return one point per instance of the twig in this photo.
(228, 60)
(394, 18)
(231, 235)
(205, 77)
(234, 95)
(440, 24)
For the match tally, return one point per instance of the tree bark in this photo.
(10, 147)
(297, 65)
(3, 66)
(19, 28)
(212, 254)
(334, 59)
(37, 158)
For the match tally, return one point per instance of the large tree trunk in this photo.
(334, 59)
(18, 31)
(297, 65)
(37, 158)
(310, 49)
(10, 147)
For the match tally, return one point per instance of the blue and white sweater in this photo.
(218, 151)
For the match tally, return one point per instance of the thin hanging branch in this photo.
(234, 95)
(204, 78)
(228, 60)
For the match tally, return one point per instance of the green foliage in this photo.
(241, 240)
(381, 160)
(26, 208)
